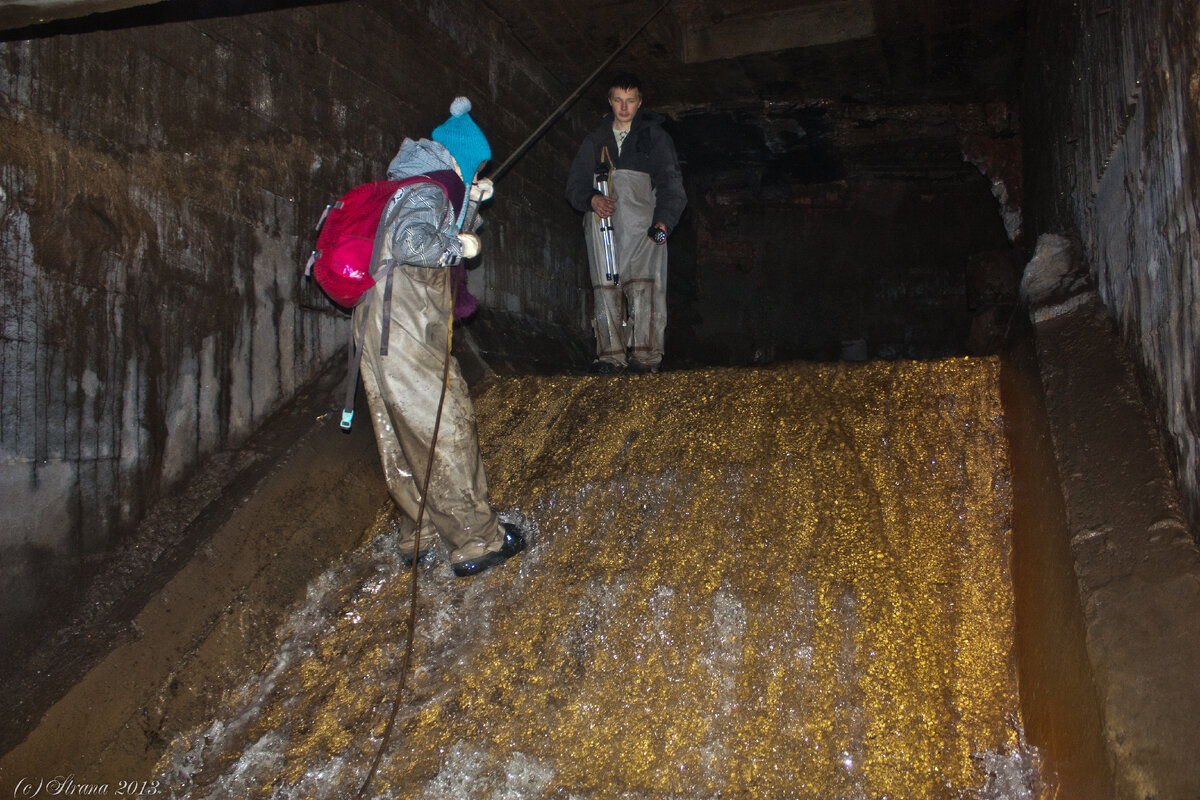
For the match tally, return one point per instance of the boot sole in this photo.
(514, 543)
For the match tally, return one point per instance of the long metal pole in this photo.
(533, 137)
(387, 733)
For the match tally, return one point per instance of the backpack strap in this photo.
(357, 344)
(354, 364)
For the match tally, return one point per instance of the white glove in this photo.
(470, 244)
(482, 190)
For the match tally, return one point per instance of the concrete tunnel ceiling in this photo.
(23, 13)
(702, 53)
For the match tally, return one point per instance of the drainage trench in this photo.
(791, 581)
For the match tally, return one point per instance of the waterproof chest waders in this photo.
(629, 317)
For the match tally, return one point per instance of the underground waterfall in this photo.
(790, 581)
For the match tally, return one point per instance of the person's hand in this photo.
(482, 190)
(603, 206)
(470, 244)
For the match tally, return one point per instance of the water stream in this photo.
(788, 582)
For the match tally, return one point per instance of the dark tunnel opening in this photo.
(809, 237)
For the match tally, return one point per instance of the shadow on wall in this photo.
(21, 21)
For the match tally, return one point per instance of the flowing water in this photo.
(788, 582)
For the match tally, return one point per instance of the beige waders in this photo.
(632, 314)
(402, 389)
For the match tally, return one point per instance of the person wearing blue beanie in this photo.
(413, 382)
(463, 138)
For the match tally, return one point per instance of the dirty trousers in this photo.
(402, 390)
(632, 313)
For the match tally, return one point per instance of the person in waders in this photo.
(626, 181)
(403, 380)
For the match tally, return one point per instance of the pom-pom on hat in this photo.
(462, 137)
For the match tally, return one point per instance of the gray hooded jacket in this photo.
(424, 232)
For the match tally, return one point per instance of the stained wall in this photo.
(159, 182)
(1110, 108)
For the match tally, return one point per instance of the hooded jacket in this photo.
(647, 149)
(424, 233)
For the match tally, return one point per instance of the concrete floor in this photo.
(1107, 582)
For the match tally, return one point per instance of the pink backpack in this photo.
(349, 240)
(351, 236)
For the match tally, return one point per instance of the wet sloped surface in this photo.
(787, 582)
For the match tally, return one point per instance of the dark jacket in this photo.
(647, 149)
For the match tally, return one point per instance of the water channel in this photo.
(785, 582)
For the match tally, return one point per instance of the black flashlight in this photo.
(657, 234)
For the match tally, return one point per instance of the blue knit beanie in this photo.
(462, 137)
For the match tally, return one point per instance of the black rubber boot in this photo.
(406, 556)
(514, 542)
(605, 368)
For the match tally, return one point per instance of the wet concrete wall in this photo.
(1101, 545)
(159, 180)
(1111, 128)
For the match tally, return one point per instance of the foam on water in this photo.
(762, 583)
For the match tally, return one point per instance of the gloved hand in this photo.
(470, 244)
(482, 190)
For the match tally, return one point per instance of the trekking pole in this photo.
(468, 220)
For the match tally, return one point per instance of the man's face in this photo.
(625, 103)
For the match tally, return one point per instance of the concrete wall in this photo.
(1110, 111)
(159, 180)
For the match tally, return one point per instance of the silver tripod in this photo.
(606, 229)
